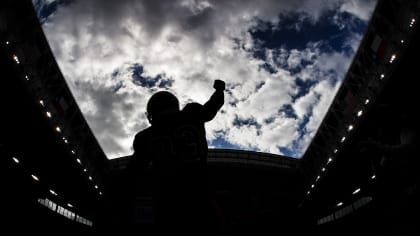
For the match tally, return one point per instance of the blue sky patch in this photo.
(220, 142)
(45, 10)
(149, 82)
(246, 122)
(295, 32)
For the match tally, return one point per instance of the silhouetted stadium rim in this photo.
(233, 157)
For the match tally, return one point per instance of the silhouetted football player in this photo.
(176, 146)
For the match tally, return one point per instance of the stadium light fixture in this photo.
(41, 102)
(7, 42)
(413, 20)
(69, 205)
(16, 58)
(335, 150)
(26, 77)
(78, 161)
(84, 170)
(15, 160)
(307, 193)
(356, 191)
(373, 177)
(73, 152)
(339, 204)
(350, 127)
(48, 114)
(323, 169)
(360, 113)
(53, 193)
(96, 186)
(58, 129)
(100, 193)
(329, 160)
(317, 178)
(35, 177)
(343, 139)
(402, 41)
(382, 76)
(392, 59)
(367, 101)
(90, 178)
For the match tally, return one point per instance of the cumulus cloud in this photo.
(360, 8)
(190, 43)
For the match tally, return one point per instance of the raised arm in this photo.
(215, 102)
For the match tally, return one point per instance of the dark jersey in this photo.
(174, 144)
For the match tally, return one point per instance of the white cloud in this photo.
(294, 59)
(360, 8)
(278, 134)
(190, 42)
(303, 105)
(268, 139)
(327, 90)
(336, 61)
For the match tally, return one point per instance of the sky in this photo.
(282, 61)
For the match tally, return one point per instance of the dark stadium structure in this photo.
(54, 174)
